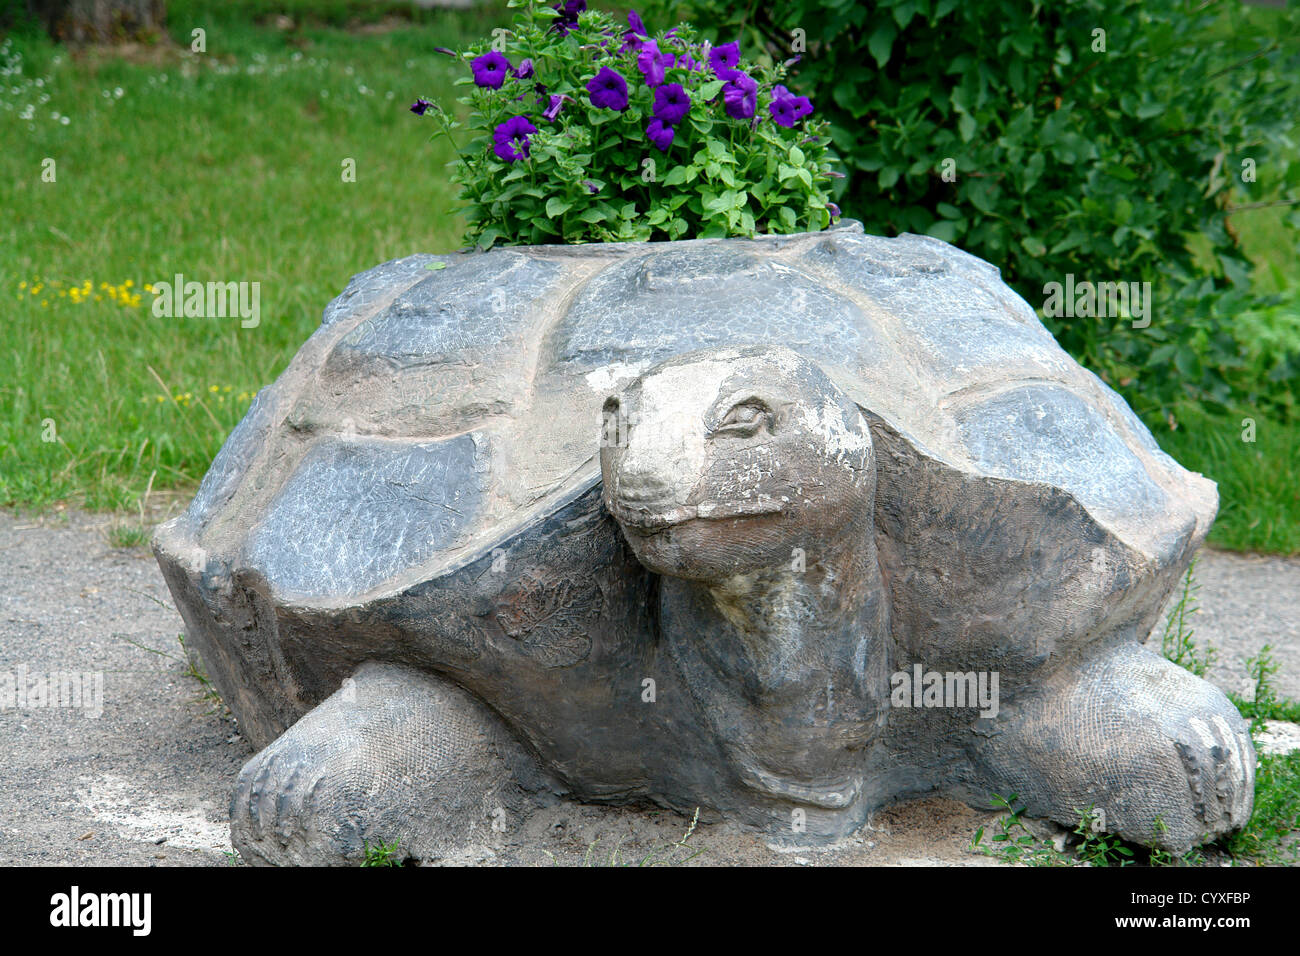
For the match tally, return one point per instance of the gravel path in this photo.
(147, 781)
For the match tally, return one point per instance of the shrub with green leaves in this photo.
(1108, 139)
(586, 129)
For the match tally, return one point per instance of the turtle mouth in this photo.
(645, 521)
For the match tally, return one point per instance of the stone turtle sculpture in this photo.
(676, 524)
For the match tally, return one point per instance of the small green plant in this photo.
(127, 535)
(1014, 842)
(195, 671)
(382, 854)
(585, 129)
(1087, 844)
(1159, 857)
(1176, 642)
(208, 693)
(1264, 703)
(1096, 847)
(1273, 833)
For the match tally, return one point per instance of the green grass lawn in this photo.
(1259, 496)
(224, 167)
(227, 166)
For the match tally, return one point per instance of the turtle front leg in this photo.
(395, 756)
(1161, 755)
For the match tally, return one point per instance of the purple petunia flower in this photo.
(651, 67)
(511, 138)
(591, 187)
(524, 70)
(552, 111)
(801, 106)
(786, 108)
(633, 42)
(672, 103)
(636, 24)
(652, 63)
(568, 18)
(740, 94)
(725, 56)
(833, 209)
(489, 69)
(782, 111)
(608, 90)
(660, 133)
(419, 106)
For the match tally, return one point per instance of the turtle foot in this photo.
(395, 758)
(1160, 756)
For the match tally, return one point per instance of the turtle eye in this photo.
(745, 418)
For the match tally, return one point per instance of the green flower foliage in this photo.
(1087, 137)
(550, 158)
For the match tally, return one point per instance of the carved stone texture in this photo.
(783, 529)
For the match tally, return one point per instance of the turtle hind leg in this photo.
(395, 756)
(1161, 755)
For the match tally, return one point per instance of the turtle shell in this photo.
(444, 419)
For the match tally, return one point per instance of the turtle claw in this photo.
(274, 796)
(1220, 765)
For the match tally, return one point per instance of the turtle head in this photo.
(724, 461)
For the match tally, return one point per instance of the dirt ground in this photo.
(148, 780)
